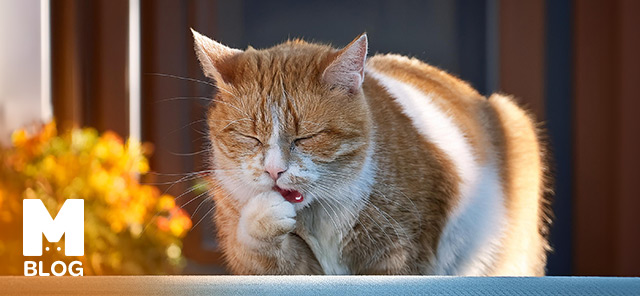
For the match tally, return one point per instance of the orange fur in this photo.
(337, 128)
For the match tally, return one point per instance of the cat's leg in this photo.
(263, 242)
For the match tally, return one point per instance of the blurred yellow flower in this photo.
(19, 137)
(130, 228)
(166, 202)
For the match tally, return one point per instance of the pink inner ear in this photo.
(348, 80)
(347, 70)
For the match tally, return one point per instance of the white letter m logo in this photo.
(37, 221)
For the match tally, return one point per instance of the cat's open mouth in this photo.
(291, 196)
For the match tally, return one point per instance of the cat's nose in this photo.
(275, 172)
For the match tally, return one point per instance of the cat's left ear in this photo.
(347, 68)
(212, 56)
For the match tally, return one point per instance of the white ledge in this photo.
(318, 285)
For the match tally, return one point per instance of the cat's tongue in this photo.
(291, 196)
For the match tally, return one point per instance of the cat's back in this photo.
(421, 74)
(497, 217)
(426, 92)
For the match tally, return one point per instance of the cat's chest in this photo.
(324, 231)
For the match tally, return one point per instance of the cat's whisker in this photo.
(185, 178)
(191, 200)
(184, 98)
(227, 120)
(181, 78)
(187, 125)
(338, 177)
(178, 174)
(366, 214)
(192, 189)
(226, 170)
(153, 219)
(210, 192)
(333, 221)
(226, 92)
(353, 215)
(190, 177)
(190, 154)
(327, 193)
(200, 204)
(329, 215)
(197, 174)
(203, 216)
(383, 214)
(170, 182)
(205, 135)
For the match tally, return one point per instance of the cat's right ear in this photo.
(212, 56)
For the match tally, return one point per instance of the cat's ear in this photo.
(212, 56)
(347, 68)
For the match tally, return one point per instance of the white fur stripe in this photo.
(434, 125)
(273, 159)
(472, 234)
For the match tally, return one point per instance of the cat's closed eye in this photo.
(307, 139)
(248, 139)
(301, 140)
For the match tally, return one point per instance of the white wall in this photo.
(21, 90)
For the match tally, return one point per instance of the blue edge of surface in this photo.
(320, 285)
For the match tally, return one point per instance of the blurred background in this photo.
(128, 67)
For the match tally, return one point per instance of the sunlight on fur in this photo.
(324, 161)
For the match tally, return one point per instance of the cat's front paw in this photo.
(265, 219)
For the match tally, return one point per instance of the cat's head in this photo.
(291, 117)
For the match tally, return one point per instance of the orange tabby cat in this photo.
(326, 162)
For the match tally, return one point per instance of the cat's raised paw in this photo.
(265, 219)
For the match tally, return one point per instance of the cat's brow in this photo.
(232, 106)
(234, 122)
(318, 127)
